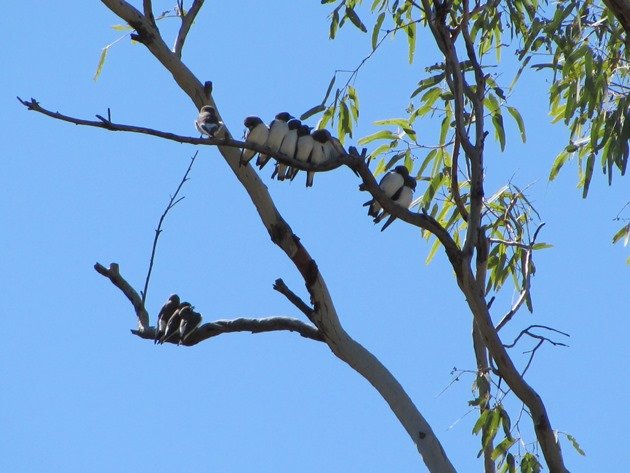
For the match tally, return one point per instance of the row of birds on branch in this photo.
(288, 136)
(285, 135)
(176, 321)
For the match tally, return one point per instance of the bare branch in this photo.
(113, 274)
(218, 327)
(148, 10)
(282, 288)
(541, 340)
(353, 160)
(526, 331)
(172, 203)
(187, 20)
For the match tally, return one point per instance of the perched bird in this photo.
(190, 320)
(402, 198)
(304, 147)
(277, 129)
(257, 133)
(333, 148)
(165, 313)
(288, 147)
(172, 327)
(318, 156)
(392, 183)
(208, 122)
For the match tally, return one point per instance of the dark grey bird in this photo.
(190, 320)
(392, 183)
(333, 148)
(208, 122)
(288, 147)
(303, 149)
(164, 315)
(257, 133)
(402, 198)
(277, 129)
(172, 327)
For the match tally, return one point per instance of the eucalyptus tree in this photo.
(489, 237)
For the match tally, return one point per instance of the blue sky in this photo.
(81, 394)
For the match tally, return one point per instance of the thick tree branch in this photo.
(187, 20)
(208, 330)
(353, 160)
(147, 7)
(621, 10)
(113, 274)
(325, 314)
(218, 327)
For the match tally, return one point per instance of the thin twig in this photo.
(282, 288)
(171, 203)
(454, 182)
(187, 20)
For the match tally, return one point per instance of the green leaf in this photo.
(558, 163)
(354, 18)
(541, 246)
(122, 27)
(492, 104)
(446, 124)
(313, 111)
(624, 232)
(329, 89)
(377, 29)
(383, 148)
(432, 251)
(408, 160)
(354, 107)
(505, 422)
(575, 444)
(334, 24)
(401, 122)
(430, 157)
(411, 40)
(328, 114)
(380, 168)
(101, 63)
(344, 126)
(379, 135)
(590, 163)
(519, 72)
(497, 121)
(393, 160)
(429, 82)
(491, 428)
(519, 122)
(502, 448)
